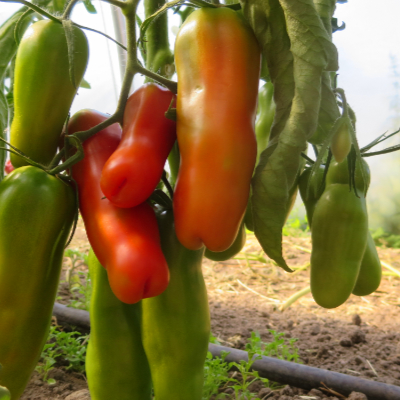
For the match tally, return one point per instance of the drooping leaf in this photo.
(329, 110)
(267, 19)
(268, 22)
(309, 38)
(313, 53)
(325, 10)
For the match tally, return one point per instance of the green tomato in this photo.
(115, 340)
(370, 274)
(338, 173)
(311, 197)
(36, 214)
(43, 91)
(339, 238)
(176, 324)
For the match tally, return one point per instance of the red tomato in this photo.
(132, 173)
(125, 240)
(8, 168)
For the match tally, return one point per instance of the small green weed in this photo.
(296, 227)
(385, 239)
(215, 375)
(69, 346)
(78, 281)
(277, 348)
(216, 370)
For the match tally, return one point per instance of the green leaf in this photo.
(309, 39)
(312, 52)
(58, 5)
(268, 22)
(8, 45)
(85, 84)
(90, 8)
(325, 10)
(329, 110)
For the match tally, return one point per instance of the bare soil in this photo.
(360, 338)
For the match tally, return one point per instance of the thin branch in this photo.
(101, 33)
(384, 151)
(171, 85)
(34, 8)
(378, 140)
(305, 156)
(69, 8)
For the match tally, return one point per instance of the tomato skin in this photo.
(176, 324)
(341, 143)
(125, 240)
(43, 91)
(338, 173)
(133, 171)
(235, 248)
(37, 211)
(339, 239)
(369, 277)
(370, 274)
(217, 60)
(115, 339)
(310, 197)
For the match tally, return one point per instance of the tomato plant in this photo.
(177, 171)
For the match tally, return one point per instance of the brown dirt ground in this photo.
(360, 338)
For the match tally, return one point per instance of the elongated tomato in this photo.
(133, 171)
(125, 240)
(217, 60)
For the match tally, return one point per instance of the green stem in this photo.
(344, 101)
(101, 33)
(117, 3)
(167, 184)
(72, 3)
(171, 85)
(69, 8)
(173, 162)
(295, 297)
(34, 8)
(159, 57)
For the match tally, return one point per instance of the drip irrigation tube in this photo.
(297, 375)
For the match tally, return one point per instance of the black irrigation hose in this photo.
(71, 316)
(297, 375)
(304, 377)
